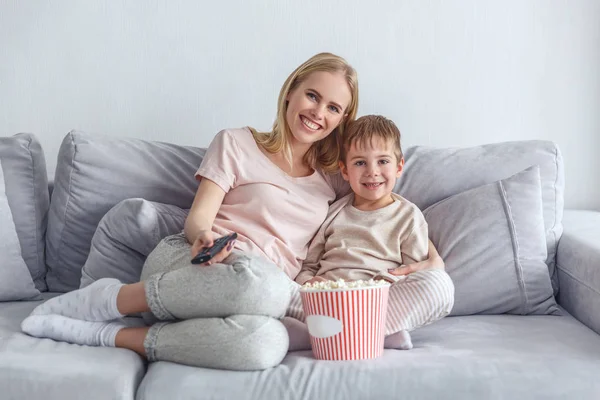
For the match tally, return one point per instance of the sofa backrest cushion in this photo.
(433, 174)
(15, 280)
(26, 180)
(492, 239)
(93, 174)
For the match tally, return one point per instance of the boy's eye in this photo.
(359, 163)
(384, 162)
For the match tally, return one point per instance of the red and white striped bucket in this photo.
(346, 324)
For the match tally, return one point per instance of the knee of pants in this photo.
(171, 253)
(444, 287)
(239, 342)
(266, 282)
(266, 346)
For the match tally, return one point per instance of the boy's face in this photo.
(372, 171)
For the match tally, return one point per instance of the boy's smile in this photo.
(372, 170)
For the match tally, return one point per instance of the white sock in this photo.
(71, 330)
(399, 340)
(96, 302)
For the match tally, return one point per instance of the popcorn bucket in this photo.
(346, 324)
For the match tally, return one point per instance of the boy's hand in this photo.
(430, 263)
(404, 270)
(384, 278)
(434, 261)
(206, 239)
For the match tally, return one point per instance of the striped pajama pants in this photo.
(414, 301)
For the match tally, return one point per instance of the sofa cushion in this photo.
(15, 281)
(433, 174)
(493, 243)
(32, 368)
(470, 357)
(28, 198)
(93, 174)
(578, 265)
(126, 235)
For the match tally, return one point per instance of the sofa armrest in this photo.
(578, 265)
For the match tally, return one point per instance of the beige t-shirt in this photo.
(275, 215)
(353, 244)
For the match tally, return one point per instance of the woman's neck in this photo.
(298, 167)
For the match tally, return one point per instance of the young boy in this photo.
(373, 231)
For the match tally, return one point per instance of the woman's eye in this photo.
(334, 109)
(312, 96)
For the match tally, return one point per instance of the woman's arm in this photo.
(199, 221)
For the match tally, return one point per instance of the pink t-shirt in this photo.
(274, 214)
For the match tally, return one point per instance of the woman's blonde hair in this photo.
(325, 153)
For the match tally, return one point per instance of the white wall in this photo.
(450, 73)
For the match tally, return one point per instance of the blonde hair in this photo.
(369, 127)
(325, 153)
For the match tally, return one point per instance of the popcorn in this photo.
(340, 284)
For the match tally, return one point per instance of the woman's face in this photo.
(316, 107)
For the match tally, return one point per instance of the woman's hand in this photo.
(206, 239)
(434, 261)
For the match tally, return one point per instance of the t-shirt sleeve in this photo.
(415, 247)
(310, 266)
(221, 162)
(312, 263)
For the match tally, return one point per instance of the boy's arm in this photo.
(310, 266)
(414, 248)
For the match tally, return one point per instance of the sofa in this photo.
(525, 325)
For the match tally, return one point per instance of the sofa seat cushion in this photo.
(468, 357)
(32, 368)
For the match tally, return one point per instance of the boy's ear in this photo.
(344, 170)
(400, 168)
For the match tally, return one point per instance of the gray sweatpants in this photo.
(222, 316)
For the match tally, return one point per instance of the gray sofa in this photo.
(507, 338)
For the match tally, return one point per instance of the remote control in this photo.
(209, 252)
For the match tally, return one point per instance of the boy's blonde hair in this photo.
(368, 127)
(325, 153)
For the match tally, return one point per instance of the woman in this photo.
(273, 189)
